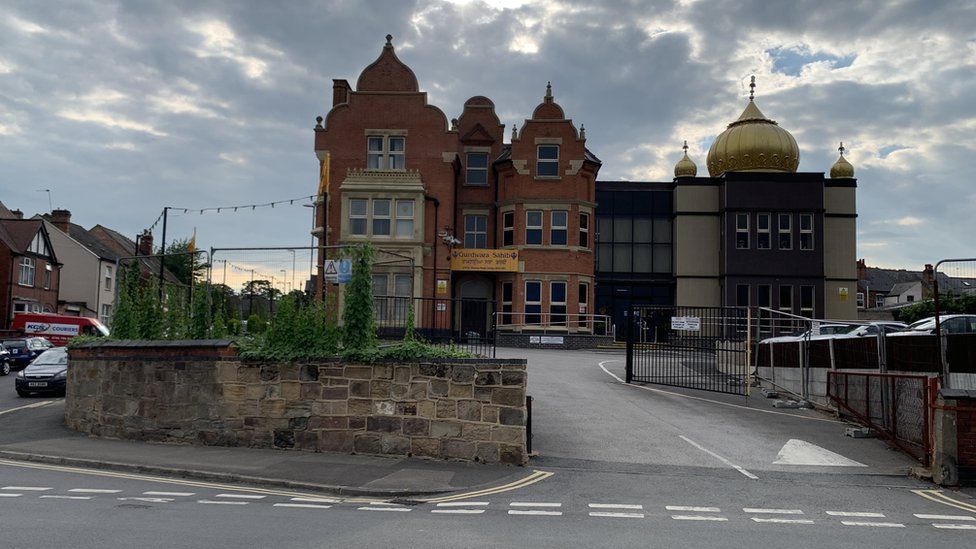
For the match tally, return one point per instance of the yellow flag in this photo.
(192, 246)
(324, 176)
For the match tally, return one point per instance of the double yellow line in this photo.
(532, 478)
(939, 496)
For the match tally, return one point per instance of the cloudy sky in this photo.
(122, 108)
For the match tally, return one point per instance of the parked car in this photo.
(950, 324)
(25, 349)
(57, 328)
(875, 328)
(48, 373)
(826, 330)
(4, 360)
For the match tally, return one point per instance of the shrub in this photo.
(357, 317)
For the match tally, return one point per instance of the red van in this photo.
(57, 329)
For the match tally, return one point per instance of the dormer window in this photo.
(476, 172)
(547, 163)
(385, 152)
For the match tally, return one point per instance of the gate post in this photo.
(629, 313)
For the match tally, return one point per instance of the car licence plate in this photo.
(14, 351)
(37, 384)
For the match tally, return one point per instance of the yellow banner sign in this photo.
(484, 260)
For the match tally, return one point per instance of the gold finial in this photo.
(685, 148)
(549, 91)
(582, 131)
(752, 87)
(841, 148)
(514, 132)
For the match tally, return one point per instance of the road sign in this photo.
(331, 271)
(345, 270)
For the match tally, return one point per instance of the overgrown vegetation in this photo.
(948, 304)
(299, 329)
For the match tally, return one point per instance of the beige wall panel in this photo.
(840, 200)
(840, 247)
(696, 245)
(694, 198)
(836, 308)
(698, 292)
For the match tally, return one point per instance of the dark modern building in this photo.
(754, 232)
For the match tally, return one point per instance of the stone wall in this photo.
(200, 392)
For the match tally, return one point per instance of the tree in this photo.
(183, 264)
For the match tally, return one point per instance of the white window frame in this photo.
(813, 301)
(554, 319)
(741, 218)
(564, 227)
(538, 227)
(475, 234)
(583, 301)
(508, 228)
(807, 232)
(584, 230)
(404, 220)
(860, 300)
(387, 159)
(47, 276)
(767, 231)
(364, 217)
(527, 303)
(108, 277)
(468, 169)
(879, 301)
(780, 231)
(378, 217)
(546, 161)
(26, 271)
(106, 315)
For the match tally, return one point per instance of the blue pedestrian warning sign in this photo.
(345, 271)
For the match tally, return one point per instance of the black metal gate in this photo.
(703, 348)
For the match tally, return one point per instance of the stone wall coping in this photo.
(145, 344)
(387, 361)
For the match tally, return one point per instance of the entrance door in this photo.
(474, 309)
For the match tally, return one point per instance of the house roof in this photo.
(883, 280)
(124, 247)
(902, 287)
(5, 212)
(17, 234)
(88, 240)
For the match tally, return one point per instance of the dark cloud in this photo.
(121, 108)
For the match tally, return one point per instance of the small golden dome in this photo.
(753, 143)
(842, 169)
(685, 167)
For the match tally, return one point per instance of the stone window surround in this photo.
(473, 149)
(418, 215)
(582, 207)
(539, 161)
(386, 134)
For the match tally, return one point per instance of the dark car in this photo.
(47, 374)
(25, 349)
(4, 361)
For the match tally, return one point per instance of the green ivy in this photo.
(357, 315)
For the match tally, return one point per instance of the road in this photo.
(631, 466)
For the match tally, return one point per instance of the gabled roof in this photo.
(882, 280)
(88, 240)
(5, 212)
(17, 234)
(124, 246)
(902, 287)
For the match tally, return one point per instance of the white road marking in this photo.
(374, 508)
(27, 488)
(719, 402)
(530, 504)
(458, 511)
(616, 515)
(615, 506)
(93, 491)
(955, 526)
(782, 520)
(315, 500)
(212, 502)
(875, 524)
(9, 495)
(699, 517)
(753, 510)
(27, 406)
(169, 494)
(718, 457)
(801, 452)
(147, 500)
(535, 512)
(692, 509)
(946, 517)
(240, 496)
(302, 505)
(462, 503)
(66, 497)
(862, 514)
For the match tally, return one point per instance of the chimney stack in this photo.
(340, 92)
(928, 275)
(862, 270)
(18, 214)
(145, 243)
(60, 219)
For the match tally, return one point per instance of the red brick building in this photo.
(510, 223)
(29, 270)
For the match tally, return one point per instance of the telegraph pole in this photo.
(162, 257)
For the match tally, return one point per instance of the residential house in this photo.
(126, 249)
(29, 269)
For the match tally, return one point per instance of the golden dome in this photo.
(685, 167)
(842, 169)
(753, 143)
